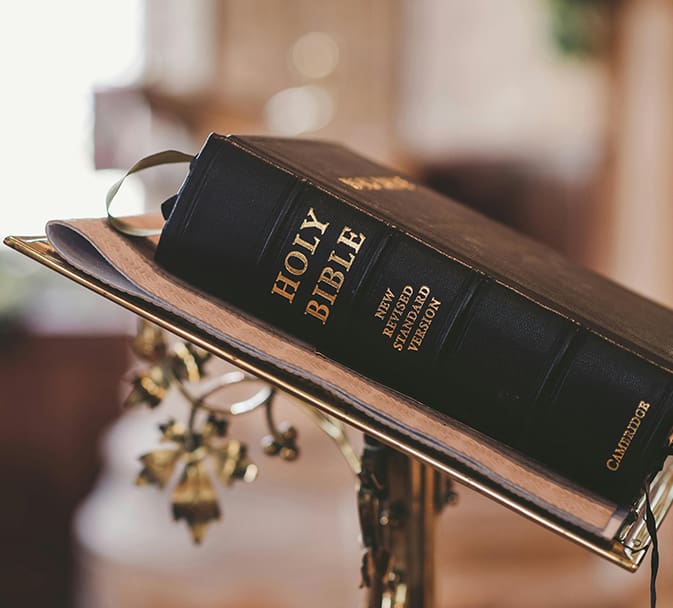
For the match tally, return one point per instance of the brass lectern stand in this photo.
(402, 474)
(398, 501)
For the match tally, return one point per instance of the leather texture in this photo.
(434, 300)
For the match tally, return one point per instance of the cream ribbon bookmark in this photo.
(167, 157)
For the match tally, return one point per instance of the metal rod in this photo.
(398, 505)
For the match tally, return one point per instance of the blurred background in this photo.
(552, 116)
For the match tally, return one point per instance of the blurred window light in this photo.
(53, 53)
(298, 110)
(315, 55)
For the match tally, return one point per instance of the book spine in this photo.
(391, 308)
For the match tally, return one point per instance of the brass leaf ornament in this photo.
(158, 467)
(188, 361)
(194, 499)
(174, 431)
(150, 343)
(201, 443)
(233, 464)
(148, 388)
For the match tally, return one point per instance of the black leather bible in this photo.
(419, 293)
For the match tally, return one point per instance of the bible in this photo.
(433, 300)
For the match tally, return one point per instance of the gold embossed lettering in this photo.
(397, 312)
(333, 257)
(351, 239)
(285, 287)
(614, 462)
(319, 311)
(310, 247)
(424, 324)
(376, 182)
(293, 268)
(330, 297)
(333, 278)
(296, 263)
(384, 304)
(311, 221)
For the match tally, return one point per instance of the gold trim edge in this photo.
(628, 546)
